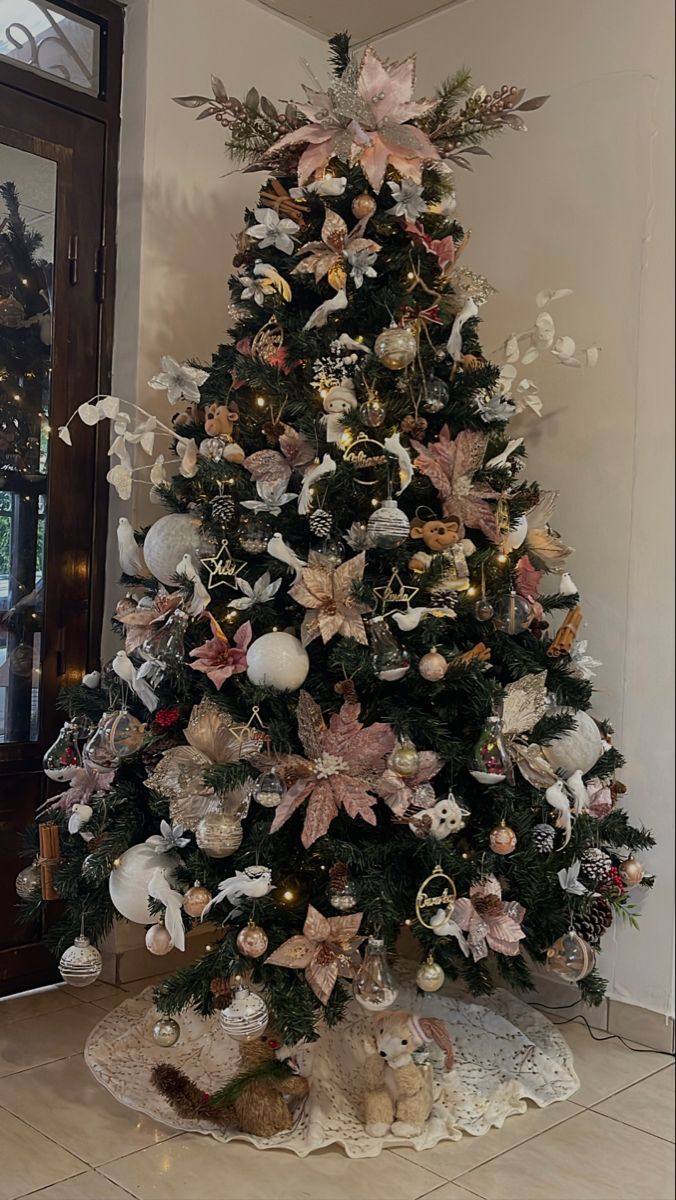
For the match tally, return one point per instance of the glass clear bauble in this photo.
(405, 759)
(373, 985)
(430, 976)
(435, 395)
(63, 759)
(571, 957)
(166, 1032)
(483, 610)
(254, 533)
(332, 549)
(246, 1017)
(388, 526)
(343, 896)
(268, 789)
(98, 753)
(513, 614)
(373, 412)
(219, 835)
(396, 347)
(81, 964)
(126, 734)
(28, 882)
(490, 763)
(166, 643)
(389, 660)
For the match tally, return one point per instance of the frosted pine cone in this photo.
(595, 864)
(592, 922)
(321, 523)
(543, 839)
(223, 510)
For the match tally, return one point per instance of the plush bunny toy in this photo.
(398, 1094)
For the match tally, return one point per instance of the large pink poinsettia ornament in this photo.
(364, 118)
(399, 794)
(344, 763)
(217, 658)
(451, 465)
(327, 592)
(324, 950)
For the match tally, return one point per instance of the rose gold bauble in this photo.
(632, 871)
(433, 666)
(502, 839)
(158, 940)
(363, 206)
(252, 941)
(196, 899)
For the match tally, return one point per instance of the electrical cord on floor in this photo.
(606, 1037)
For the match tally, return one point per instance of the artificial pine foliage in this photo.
(305, 426)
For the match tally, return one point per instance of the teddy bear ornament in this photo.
(219, 423)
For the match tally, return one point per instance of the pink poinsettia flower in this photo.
(443, 249)
(83, 785)
(451, 465)
(398, 793)
(488, 920)
(365, 120)
(344, 762)
(218, 658)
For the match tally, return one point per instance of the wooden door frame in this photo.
(104, 108)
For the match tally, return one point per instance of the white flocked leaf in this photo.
(109, 406)
(89, 414)
(548, 295)
(64, 434)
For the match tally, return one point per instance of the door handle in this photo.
(61, 650)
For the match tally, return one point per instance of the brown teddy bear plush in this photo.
(441, 537)
(398, 1094)
(257, 1100)
(219, 423)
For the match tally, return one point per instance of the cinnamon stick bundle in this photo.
(563, 641)
(50, 855)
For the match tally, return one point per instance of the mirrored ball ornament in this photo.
(430, 976)
(81, 964)
(195, 900)
(166, 1032)
(158, 940)
(252, 941)
(405, 759)
(396, 347)
(219, 835)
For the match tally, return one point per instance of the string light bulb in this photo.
(502, 558)
(260, 401)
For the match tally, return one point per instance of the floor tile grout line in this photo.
(115, 1183)
(518, 1145)
(628, 1125)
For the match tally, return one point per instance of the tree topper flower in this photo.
(180, 381)
(217, 658)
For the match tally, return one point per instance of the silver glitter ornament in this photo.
(166, 1032)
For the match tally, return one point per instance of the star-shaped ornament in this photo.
(395, 591)
(221, 568)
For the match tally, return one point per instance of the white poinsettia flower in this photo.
(330, 185)
(273, 230)
(582, 664)
(180, 381)
(408, 200)
(361, 265)
(272, 498)
(252, 289)
(568, 878)
(120, 478)
(262, 591)
(170, 837)
(492, 408)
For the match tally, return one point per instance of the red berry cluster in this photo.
(615, 880)
(166, 717)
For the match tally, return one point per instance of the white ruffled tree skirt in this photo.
(506, 1054)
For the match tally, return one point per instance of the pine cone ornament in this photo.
(321, 523)
(543, 839)
(595, 864)
(592, 922)
(223, 511)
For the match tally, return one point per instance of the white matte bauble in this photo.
(168, 540)
(128, 882)
(277, 660)
(515, 536)
(577, 750)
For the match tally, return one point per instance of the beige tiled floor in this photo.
(62, 1137)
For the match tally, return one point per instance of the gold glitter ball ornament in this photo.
(502, 839)
(632, 871)
(252, 941)
(430, 976)
(196, 899)
(363, 206)
(433, 666)
(396, 347)
(405, 759)
(219, 835)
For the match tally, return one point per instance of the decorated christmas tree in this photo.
(350, 698)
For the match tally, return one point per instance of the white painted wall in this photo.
(583, 200)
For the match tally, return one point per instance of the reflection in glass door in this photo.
(27, 208)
